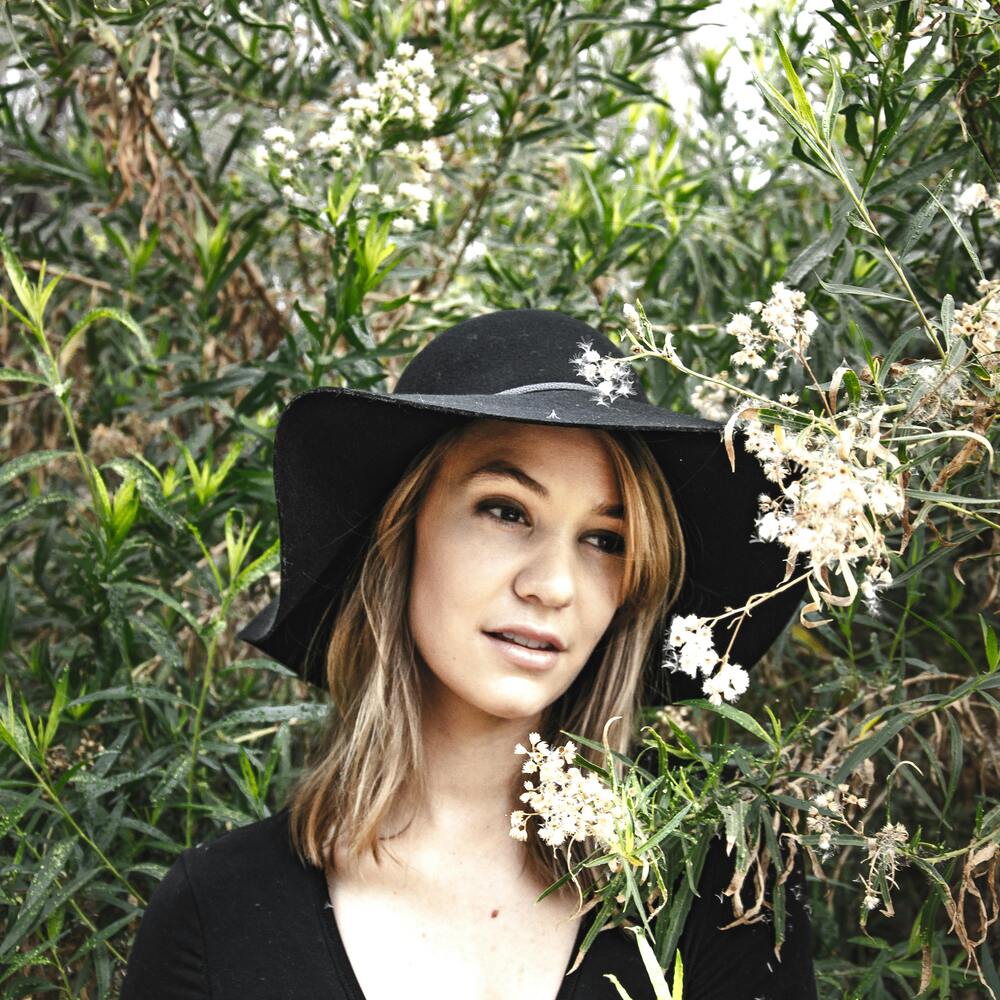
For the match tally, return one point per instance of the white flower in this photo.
(692, 636)
(740, 326)
(612, 376)
(431, 155)
(971, 198)
(403, 225)
(631, 317)
(728, 683)
(278, 134)
(570, 805)
(476, 250)
(788, 330)
(711, 401)
(416, 192)
(834, 510)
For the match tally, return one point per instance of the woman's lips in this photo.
(522, 656)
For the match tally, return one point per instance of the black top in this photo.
(241, 918)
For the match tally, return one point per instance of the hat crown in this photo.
(503, 350)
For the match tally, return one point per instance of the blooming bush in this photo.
(209, 210)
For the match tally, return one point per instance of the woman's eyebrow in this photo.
(500, 467)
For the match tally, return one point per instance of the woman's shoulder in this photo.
(228, 917)
(253, 868)
(263, 846)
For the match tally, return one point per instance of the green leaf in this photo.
(816, 253)
(55, 711)
(678, 993)
(870, 746)
(158, 595)
(919, 221)
(744, 721)
(652, 967)
(19, 282)
(305, 711)
(802, 105)
(990, 645)
(853, 385)
(973, 256)
(874, 293)
(12, 731)
(24, 463)
(108, 312)
(29, 507)
(833, 102)
(13, 375)
(44, 875)
(665, 831)
(261, 566)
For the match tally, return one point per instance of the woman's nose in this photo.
(547, 574)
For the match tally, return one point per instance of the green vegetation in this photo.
(206, 208)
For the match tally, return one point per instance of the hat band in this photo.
(543, 386)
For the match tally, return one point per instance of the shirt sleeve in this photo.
(167, 961)
(740, 963)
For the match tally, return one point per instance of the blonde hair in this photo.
(370, 761)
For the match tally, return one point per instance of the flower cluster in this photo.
(86, 751)
(938, 390)
(979, 322)
(883, 861)
(570, 805)
(281, 150)
(400, 93)
(976, 195)
(788, 330)
(822, 823)
(716, 402)
(833, 511)
(689, 648)
(611, 375)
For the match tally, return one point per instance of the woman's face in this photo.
(519, 532)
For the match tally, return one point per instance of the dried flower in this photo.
(883, 861)
(631, 317)
(712, 401)
(834, 511)
(979, 322)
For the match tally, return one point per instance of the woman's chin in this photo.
(515, 702)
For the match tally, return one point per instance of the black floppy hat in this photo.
(339, 452)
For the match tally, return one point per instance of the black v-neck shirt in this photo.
(242, 918)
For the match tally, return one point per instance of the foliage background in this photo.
(593, 152)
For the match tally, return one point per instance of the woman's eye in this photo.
(614, 544)
(508, 513)
(492, 505)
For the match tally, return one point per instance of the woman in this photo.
(481, 555)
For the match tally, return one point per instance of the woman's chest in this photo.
(466, 939)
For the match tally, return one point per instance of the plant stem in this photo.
(206, 682)
(57, 802)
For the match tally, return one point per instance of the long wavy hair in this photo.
(370, 760)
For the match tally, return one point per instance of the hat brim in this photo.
(339, 452)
